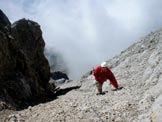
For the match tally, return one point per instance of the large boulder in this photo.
(59, 75)
(59, 78)
(24, 70)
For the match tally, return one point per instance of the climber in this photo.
(101, 74)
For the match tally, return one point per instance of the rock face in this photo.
(24, 70)
(59, 75)
(3, 20)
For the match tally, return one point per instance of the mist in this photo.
(87, 32)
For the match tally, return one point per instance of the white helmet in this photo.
(103, 64)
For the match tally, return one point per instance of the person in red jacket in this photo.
(101, 74)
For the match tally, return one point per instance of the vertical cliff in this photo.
(24, 70)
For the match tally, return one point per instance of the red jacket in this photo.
(103, 76)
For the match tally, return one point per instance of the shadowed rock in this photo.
(4, 21)
(24, 70)
(59, 75)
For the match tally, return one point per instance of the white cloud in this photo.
(128, 13)
(87, 32)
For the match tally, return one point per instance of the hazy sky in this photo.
(87, 32)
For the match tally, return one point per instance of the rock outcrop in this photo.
(24, 70)
(4, 21)
(59, 75)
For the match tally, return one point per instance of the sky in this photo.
(87, 32)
